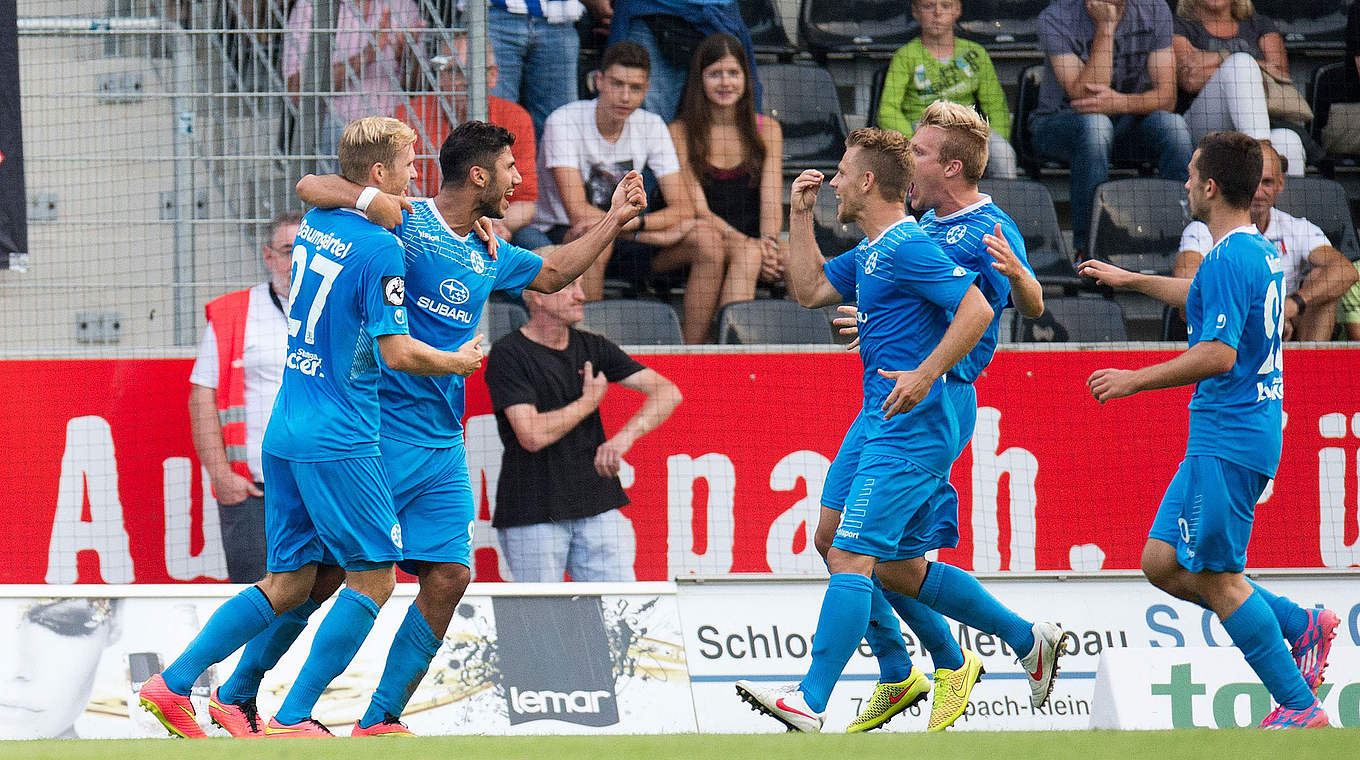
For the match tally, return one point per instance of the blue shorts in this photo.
(836, 487)
(334, 512)
(1207, 513)
(434, 502)
(890, 514)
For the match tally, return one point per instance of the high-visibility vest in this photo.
(227, 315)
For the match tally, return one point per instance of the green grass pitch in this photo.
(1244, 744)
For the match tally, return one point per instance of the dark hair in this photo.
(1233, 161)
(472, 143)
(695, 110)
(627, 54)
(285, 219)
(886, 153)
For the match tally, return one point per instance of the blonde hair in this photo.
(965, 136)
(885, 153)
(371, 140)
(1189, 9)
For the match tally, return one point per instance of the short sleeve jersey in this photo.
(960, 236)
(348, 289)
(1246, 39)
(1066, 28)
(906, 288)
(448, 279)
(1294, 238)
(1236, 299)
(558, 482)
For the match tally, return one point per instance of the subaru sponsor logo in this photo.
(454, 291)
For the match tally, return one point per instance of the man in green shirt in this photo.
(937, 66)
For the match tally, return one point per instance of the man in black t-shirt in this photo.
(559, 489)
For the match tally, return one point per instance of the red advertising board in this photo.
(98, 481)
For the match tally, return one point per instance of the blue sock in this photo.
(1292, 618)
(337, 640)
(263, 652)
(930, 627)
(231, 626)
(1255, 631)
(408, 659)
(840, 628)
(956, 594)
(884, 635)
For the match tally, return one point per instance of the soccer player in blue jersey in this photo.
(328, 498)
(1197, 547)
(906, 290)
(949, 148)
(450, 273)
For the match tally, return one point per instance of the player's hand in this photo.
(1007, 263)
(609, 458)
(630, 197)
(485, 227)
(848, 324)
(909, 389)
(471, 354)
(385, 209)
(1109, 384)
(593, 385)
(1106, 273)
(803, 194)
(231, 489)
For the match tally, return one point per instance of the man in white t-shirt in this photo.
(586, 149)
(232, 390)
(1316, 274)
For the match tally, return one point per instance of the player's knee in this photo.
(447, 580)
(328, 579)
(374, 584)
(1156, 567)
(285, 590)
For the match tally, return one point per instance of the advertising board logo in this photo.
(454, 291)
(577, 689)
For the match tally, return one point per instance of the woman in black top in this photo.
(732, 160)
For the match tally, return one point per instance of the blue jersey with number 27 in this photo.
(347, 290)
(1237, 298)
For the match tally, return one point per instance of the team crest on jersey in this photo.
(454, 291)
(394, 290)
(960, 271)
(871, 262)
(478, 263)
(396, 534)
(955, 234)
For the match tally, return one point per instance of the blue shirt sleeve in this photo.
(921, 268)
(1225, 301)
(516, 267)
(841, 272)
(383, 290)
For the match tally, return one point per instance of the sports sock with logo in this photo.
(956, 594)
(1255, 631)
(840, 628)
(337, 641)
(884, 635)
(408, 659)
(263, 652)
(1292, 618)
(929, 626)
(234, 623)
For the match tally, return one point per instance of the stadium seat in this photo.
(1317, 25)
(833, 237)
(1327, 86)
(855, 27)
(803, 99)
(767, 33)
(1031, 206)
(1003, 25)
(501, 317)
(772, 322)
(876, 94)
(1323, 202)
(633, 323)
(1137, 223)
(1173, 327)
(1081, 319)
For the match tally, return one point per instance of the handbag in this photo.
(1341, 136)
(676, 38)
(1283, 99)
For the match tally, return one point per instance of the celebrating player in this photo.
(328, 497)
(1197, 547)
(906, 288)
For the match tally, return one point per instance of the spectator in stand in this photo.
(587, 146)
(732, 159)
(435, 115)
(232, 390)
(1109, 90)
(1221, 47)
(1316, 274)
(537, 45)
(1353, 50)
(559, 492)
(368, 59)
(670, 31)
(939, 66)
